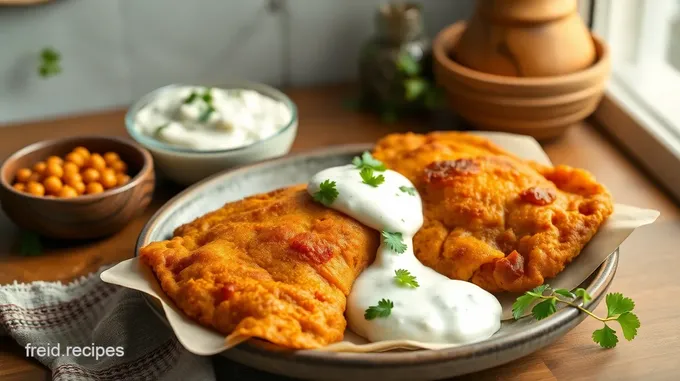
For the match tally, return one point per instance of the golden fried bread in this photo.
(276, 266)
(503, 223)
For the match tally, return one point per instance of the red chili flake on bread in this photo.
(310, 248)
(538, 195)
(444, 171)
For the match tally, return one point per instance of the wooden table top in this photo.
(647, 271)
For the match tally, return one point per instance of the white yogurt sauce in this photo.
(440, 310)
(238, 117)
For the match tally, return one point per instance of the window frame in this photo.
(642, 131)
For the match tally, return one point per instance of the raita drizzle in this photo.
(439, 310)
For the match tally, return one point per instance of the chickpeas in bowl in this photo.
(56, 189)
(79, 172)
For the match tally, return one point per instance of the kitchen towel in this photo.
(91, 330)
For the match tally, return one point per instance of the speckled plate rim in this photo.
(563, 320)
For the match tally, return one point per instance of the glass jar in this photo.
(395, 67)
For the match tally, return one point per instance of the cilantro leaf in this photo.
(369, 179)
(544, 309)
(583, 294)
(382, 310)
(207, 97)
(159, 130)
(564, 292)
(521, 304)
(327, 193)
(538, 291)
(191, 98)
(49, 63)
(394, 241)
(410, 190)
(404, 278)
(606, 337)
(205, 115)
(367, 161)
(629, 325)
(618, 304)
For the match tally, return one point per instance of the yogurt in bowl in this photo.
(196, 131)
(207, 118)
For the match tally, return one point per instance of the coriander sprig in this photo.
(327, 193)
(382, 310)
(207, 98)
(394, 241)
(367, 161)
(410, 190)
(369, 179)
(50, 63)
(619, 308)
(404, 278)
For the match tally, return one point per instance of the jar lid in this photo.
(399, 22)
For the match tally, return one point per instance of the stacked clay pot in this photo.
(522, 66)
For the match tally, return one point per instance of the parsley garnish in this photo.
(191, 98)
(395, 242)
(382, 310)
(404, 278)
(367, 161)
(369, 179)
(50, 63)
(410, 190)
(619, 308)
(326, 193)
(160, 128)
(205, 115)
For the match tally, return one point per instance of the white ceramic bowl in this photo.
(187, 166)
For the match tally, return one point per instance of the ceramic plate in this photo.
(514, 340)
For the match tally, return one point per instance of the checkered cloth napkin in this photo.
(91, 330)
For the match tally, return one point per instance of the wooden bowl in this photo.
(543, 107)
(87, 216)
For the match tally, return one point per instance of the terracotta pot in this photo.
(543, 107)
(526, 38)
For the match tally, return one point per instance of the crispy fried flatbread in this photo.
(276, 266)
(503, 223)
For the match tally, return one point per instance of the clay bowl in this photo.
(543, 107)
(87, 216)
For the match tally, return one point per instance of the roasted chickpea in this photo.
(96, 161)
(72, 178)
(90, 175)
(39, 167)
(54, 159)
(76, 159)
(119, 166)
(53, 185)
(93, 188)
(35, 188)
(111, 157)
(70, 168)
(54, 169)
(82, 151)
(79, 187)
(108, 178)
(23, 175)
(122, 179)
(21, 187)
(67, 192)
(35, 177)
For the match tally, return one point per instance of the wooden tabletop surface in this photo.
(648, 270)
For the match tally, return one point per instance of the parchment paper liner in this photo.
(203, 341)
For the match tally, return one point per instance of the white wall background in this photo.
(114, 51)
